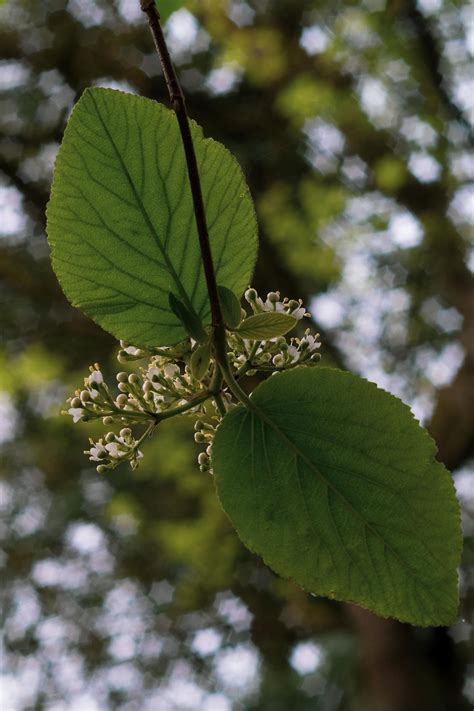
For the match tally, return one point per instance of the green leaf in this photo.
(336, 485)
(269, 324)
(191, 322)
(121, 222)
(230, 307)
(200, 360)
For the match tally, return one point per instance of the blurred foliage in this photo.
(351, 122)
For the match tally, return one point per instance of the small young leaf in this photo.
(269, 324)
(188, 317)
(336, 485)
(121, 222)
(230, 307)
(200, 359)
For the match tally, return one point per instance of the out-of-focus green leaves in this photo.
(260, 51)
(294, 228)
(390, 173)
(306, 96)
(167, 7)
(33, 369)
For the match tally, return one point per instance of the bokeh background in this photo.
(351, 122)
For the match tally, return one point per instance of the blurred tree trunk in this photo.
(400, 673)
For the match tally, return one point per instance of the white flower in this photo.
(294, 353)
(153, 374)
(310, 342)
(97, 453)
(95, 377)
(116, 450)
(171, 370)
(131, 350)
(76, 413)
(298, 313)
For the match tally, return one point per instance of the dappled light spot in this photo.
(314, 39)
(306, 657)
(237, 668)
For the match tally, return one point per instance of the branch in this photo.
(179, 107)
(433, 61)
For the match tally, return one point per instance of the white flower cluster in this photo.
(113, 449)
(273, 302)
(92, 401)
(141, 396)
(274, 354)
(167, 386)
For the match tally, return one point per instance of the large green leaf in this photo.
(336, 485)
(121, 222)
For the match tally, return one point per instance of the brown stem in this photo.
(179, 107)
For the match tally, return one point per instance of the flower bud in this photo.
(199, 437)
(133, 379)
(123, 387)
(76, 402)
(125, 432)
(109, 437)
(108, 420)
(122, 377)
(85, 396)
(203, 458)
(171, 370)
(102, 468)
(251, 295)
(121, 400)
(273, 296)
